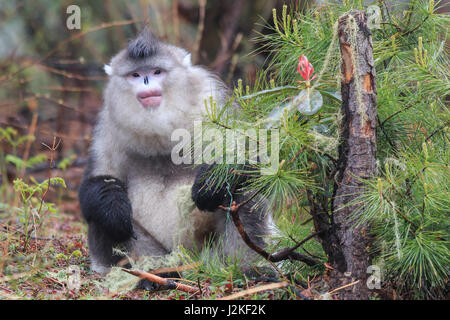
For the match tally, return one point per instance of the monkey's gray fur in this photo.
(129, 191)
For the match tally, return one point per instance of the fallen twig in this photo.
(343, 287)
(162, 281)
(255, 290)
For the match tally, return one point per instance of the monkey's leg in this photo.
(208, 197)
(101, 249)
(147, 245)
(147, 285)
(107, 209)
(256, 227)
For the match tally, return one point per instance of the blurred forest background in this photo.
(51, 78)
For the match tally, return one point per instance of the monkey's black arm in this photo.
(209, 196)
(205, 194)
(104, 202)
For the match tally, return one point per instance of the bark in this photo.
(319, 209)
(356, 154)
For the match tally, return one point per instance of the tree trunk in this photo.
(356, 153)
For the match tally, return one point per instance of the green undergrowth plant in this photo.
(24, 205)
(11, 138)
(27, 246)
(33, 206)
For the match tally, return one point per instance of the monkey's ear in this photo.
(108, 69)
(187, 60)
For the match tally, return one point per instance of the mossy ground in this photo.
(38, 269)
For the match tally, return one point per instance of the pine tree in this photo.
(407, 203)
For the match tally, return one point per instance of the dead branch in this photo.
(201, 26)
(265, 287)
(344, 286)
(162, 281)
(65, 42)
(230, 22)
(283, 254)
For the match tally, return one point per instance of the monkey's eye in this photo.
(157, 71)
(136, 75)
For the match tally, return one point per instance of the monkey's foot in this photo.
(147, 285)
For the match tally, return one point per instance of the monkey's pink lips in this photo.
(150, 98)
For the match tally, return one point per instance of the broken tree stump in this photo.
(357, 150)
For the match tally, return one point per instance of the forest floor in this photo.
(40, 267)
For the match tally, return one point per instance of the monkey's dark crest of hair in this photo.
(144, 46)
(104, 201)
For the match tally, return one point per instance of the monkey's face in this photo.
(153, 90)
(146, 85)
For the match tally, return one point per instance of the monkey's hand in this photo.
(104, 201)
(205, 194)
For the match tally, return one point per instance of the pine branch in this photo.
(388, 139)
(436, 131)
(396, 113)
(283, 254)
